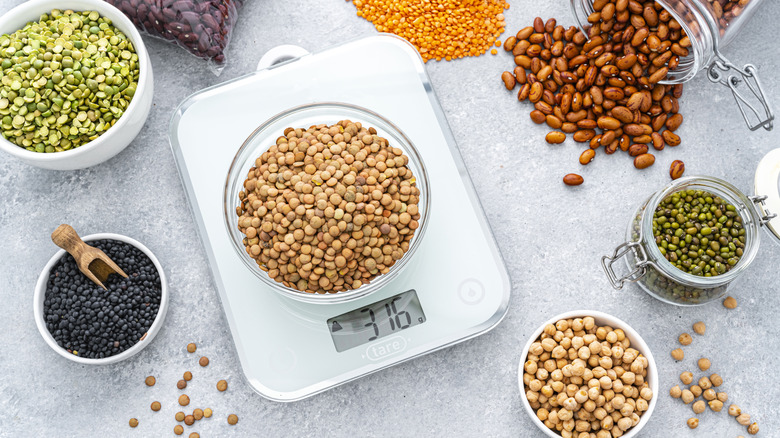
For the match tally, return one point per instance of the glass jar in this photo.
(710, 25)
(660, 278)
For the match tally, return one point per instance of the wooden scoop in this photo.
(92, 262)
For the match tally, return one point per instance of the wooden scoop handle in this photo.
(66, 238)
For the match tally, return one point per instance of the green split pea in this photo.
(64, 80)
(699, 233)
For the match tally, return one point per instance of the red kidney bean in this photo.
(202, 27)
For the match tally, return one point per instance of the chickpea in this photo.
(723, 397)
(709, 394)
(624, 423)
(716, 380)
(675, 392)
(704, 364)
(677, 354)
(753, 429)
(696, 390)
(699, 407)
(685, 339)
(734, 410)
(687, 396)
(699, 328)
(743, 419)
(686, 377)
(716, 405)
(693, 423)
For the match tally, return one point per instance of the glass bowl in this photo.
(303, 117)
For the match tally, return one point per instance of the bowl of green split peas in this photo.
(76, 83)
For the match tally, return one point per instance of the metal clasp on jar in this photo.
(760, 201)
(722, 71)
(640, 261)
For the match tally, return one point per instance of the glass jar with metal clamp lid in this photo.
(645, 254)
(709, 25)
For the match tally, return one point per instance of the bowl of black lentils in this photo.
(88, 324)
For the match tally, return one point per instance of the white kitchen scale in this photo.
(455, 288)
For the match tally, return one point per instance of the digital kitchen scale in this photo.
(456, 286)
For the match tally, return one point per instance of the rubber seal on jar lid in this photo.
(767, 190)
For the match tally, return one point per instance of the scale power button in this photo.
(471, 291)
(388, 347)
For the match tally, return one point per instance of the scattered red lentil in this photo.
(444, 29)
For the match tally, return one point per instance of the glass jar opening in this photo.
(729, 193)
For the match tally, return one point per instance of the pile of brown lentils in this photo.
(328, 208)
(585, 380)
(603, 88)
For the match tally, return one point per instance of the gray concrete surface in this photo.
(552, 238)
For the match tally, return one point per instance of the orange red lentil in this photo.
(443, 29)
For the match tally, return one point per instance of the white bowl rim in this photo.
(614, 322)
(129, 29)
(40, 291)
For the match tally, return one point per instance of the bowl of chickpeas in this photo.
(587, 374)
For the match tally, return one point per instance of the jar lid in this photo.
(767, 190)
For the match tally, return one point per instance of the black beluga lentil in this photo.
(94, 323)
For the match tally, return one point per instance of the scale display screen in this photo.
(377, 320)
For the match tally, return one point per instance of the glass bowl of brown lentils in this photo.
(326, 202)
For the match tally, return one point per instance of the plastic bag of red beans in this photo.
(202, 27)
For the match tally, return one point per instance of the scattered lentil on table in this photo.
(446, 29)
(698, 232)
(187, 376)
(156, 406)
(207, 412)
(178, 430)
(197, 413)
(150, 381)
(184, 400)
(66, 80)
(232, 419)
(328, 208)
(133, 422)
(203, 361)
(191, 347)
(181, 384)
(179, 416)
(94, 323)
(222, 385)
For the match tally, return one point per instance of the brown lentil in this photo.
(181, 384)
(187, 376)
(179, 416)
(133, 422)
(203, 361)
(197, 413)
(191, 347)
(156, 406)
(329, 208)
(232, 419)
(184, 400)
(194, 435)
(222, 385)
(189, 420)
(207, 412)
(178, 430)
(150, 381)
(445, 29)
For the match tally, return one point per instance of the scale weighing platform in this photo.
(455, 288)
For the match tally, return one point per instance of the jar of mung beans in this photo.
(656, 252)
(709, 25)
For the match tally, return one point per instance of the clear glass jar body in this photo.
(709, 24)
(664, 281)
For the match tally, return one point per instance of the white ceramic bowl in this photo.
(40, 294)
(119, 136)
(601, 319)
